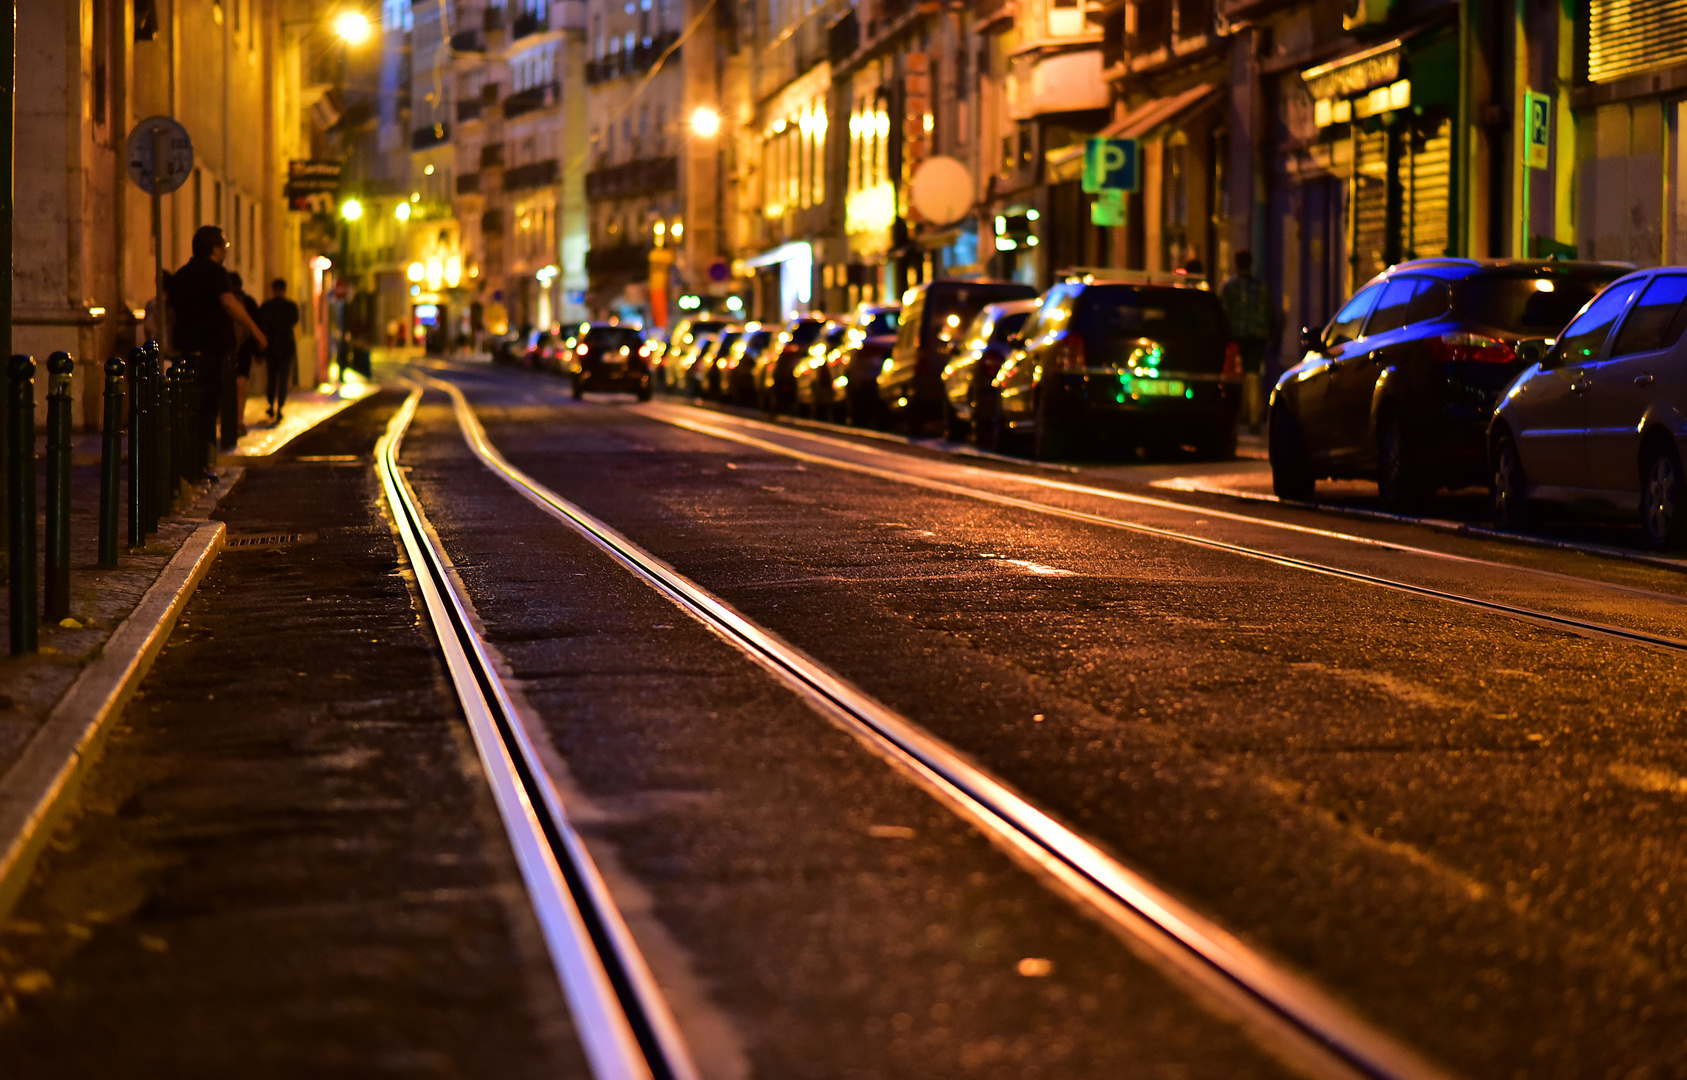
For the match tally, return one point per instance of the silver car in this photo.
(1601, 418)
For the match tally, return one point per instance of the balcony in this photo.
(422, 138)
(492, 222)
(646, 176)
(492, 156)
(468, 41)
(492, 19)
(468, 183)
(634, 62)
(533, 174)
(534, 97)
(468, 110)
(628, 259)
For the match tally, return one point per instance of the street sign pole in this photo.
(158, 310)
(1538, 149)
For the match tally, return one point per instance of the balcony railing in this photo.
(492, 156)
(524, 24)
(468, 41)
(645, 176)
(635, 61)
(533, 174)
(468, 110)
(422, 138)
(468, 183)
(534, 97)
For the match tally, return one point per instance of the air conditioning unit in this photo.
(1359, 13)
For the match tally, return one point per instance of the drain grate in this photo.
(252, 540)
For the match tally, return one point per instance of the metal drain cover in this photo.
(254, 540)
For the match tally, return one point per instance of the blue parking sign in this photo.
(1111, 165)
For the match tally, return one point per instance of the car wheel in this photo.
(1052, 435)
(1401, 483)
(1662, 497)
(1510, 511)
(1291, 471)
(863, 410)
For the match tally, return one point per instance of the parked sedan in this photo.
(816, 394)
(855, 365)
(934, 315)
(705, 373)
(1401, 384)
(1122, 364)
(776, 374)
(608, 356)
(672, 354)
(1601, 418)
(994, 334)
(738, 370)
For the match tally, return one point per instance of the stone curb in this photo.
(36, 789)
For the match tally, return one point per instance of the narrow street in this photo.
(1431, 776)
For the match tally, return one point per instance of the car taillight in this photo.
(1232, 361)
(1472, 347)
(1068, 353)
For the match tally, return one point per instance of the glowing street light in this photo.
(416, 271)
(705, 122)
(352, 27)
(351, 209)
(402, 211)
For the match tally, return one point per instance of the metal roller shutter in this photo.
(1626, 37)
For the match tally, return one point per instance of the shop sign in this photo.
(1538, 110)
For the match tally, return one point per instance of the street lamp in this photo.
(351, 209)
(352, 27)
(705, 122)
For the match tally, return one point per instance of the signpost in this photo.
(160, 159)
(1110, 172)
(1537, 152)
(313, 185)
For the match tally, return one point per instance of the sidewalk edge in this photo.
(34, 791)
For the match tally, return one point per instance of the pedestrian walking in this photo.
(1248, 309)
(247, 350)
(276, 318)
(205, 311)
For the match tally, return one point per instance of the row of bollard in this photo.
(166, 455)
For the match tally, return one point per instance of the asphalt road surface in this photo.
(1437, 777)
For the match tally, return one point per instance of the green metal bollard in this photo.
(60, 368)
(20, 427)
(140, 415)
(111, 463)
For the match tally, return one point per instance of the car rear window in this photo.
(881, 323)
(951, 308)
(1520, 305)
(1187, 324)
(806, 331)
(1007, 326)
(609, 338)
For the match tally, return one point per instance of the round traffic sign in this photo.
(160, 155)
(719, 271)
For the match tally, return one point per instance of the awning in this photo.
(1067, 163)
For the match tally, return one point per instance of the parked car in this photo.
(683, 364)
(934, 315)
(816, 394)
(608, 356)
(1401, 384)
(738, 372)
(776, 374)
(671, 355)
(1124, 364)
(855, 366)
(1601, 417)
(706, 372)
(510, 349)
(540, 351)
(971, 398)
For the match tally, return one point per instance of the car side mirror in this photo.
(1309, 340)
(1531, 351)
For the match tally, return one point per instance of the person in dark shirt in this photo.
(277, 318)
(248, 349)
(206, 311)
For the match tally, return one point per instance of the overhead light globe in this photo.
(351, 209)
(705, 122)
(352, 27)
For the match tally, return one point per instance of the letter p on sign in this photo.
(1111, 165)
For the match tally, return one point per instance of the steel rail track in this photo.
(622, 1021)
(1581, 627)
(1286, 1013)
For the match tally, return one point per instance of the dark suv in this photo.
(1400, 385)
(935, 317)
(1122, 363)
(607, 356)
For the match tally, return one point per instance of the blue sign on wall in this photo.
(1111, 165)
